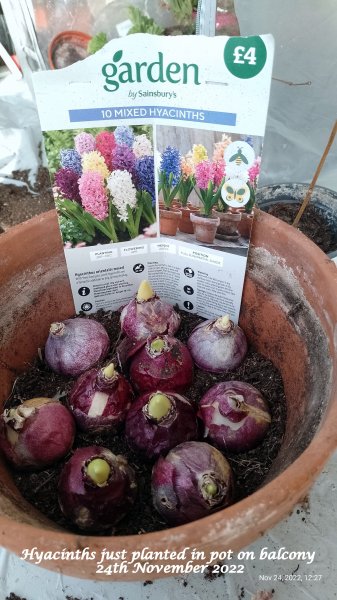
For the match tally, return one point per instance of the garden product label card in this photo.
(154, 147)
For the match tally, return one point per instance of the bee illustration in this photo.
(239, 158)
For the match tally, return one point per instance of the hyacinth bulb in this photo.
(75, 345)
(191, 482)
(100, 399)
(96, 488)
(37, 433)
(235, 415)
(217, 345)
(158, 421)
(162, 363)
(147, 314)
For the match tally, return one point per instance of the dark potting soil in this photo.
(312, 224)
(67, 53)
(250, 468)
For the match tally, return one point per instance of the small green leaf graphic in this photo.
(117, 56)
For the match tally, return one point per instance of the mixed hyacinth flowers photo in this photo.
(103, 184)
(105, 191)
(207, 189)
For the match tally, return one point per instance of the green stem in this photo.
(146, 203)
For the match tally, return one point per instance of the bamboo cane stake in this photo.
(315, 177)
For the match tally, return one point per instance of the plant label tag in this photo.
(154, 146)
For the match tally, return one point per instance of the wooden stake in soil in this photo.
(315, 177)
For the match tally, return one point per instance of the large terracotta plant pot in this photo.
(289, 313)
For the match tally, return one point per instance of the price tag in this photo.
(245, 57)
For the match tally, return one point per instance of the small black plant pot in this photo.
(322, 199)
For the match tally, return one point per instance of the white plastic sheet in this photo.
(20, 134)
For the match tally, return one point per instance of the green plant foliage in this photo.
(141, 23)
(55, 141)
(72, 232)
(182, 10)
(97, 42)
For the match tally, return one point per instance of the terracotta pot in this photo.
(169, 221)
(186, 225)
(204, 228)
(228, 227)
(289, 317)
(74, 45)
(176, 204)
(323, 199)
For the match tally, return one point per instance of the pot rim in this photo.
(266, 506)
(64, 35)
(296, 185)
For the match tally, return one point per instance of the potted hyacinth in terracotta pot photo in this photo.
(169, 182)
(209, 176)
(186, 187)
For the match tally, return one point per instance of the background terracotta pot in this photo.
(323, 199)
(186, 225)
(288, 316)
(169, 220)
(204, 227)
(228, 227)
(74, 44)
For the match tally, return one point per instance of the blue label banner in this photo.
(152, 112)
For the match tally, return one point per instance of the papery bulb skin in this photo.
(164, 363)
(191, 482)
(158, 421)
(147, 314)
(37, 433)
(217, 345)
(100, 399)
(235, 415)
(96, 488)
(75, 345)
